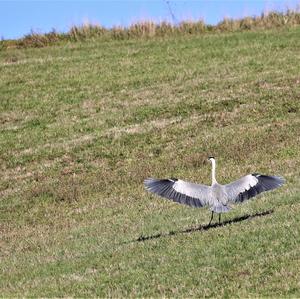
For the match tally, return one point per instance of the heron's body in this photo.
(217, 197)
(219, 202)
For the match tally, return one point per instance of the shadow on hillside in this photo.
(203, 227)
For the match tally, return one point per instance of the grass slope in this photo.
(83, 124)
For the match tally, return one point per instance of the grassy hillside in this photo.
(83, 124)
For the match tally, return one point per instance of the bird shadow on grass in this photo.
(203, 227)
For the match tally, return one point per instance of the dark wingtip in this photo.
(281, 180)
(150, 183)
(278, 179)
(211, 157)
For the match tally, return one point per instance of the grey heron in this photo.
(217, 197)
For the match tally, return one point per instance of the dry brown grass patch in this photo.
(150, 29)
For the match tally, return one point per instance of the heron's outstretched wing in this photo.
(251, 185)
(194, 195)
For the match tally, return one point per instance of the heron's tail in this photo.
(220, 208)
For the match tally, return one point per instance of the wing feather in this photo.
(190, 194)
(251, 185)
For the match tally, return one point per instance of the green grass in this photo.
(83, 124)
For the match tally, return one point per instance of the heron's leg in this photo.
(212, 216)
(219, 218)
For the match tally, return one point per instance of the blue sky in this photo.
(19, 17)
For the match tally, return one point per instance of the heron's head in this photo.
(211, 159)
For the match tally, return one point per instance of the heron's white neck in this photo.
(213, 172)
